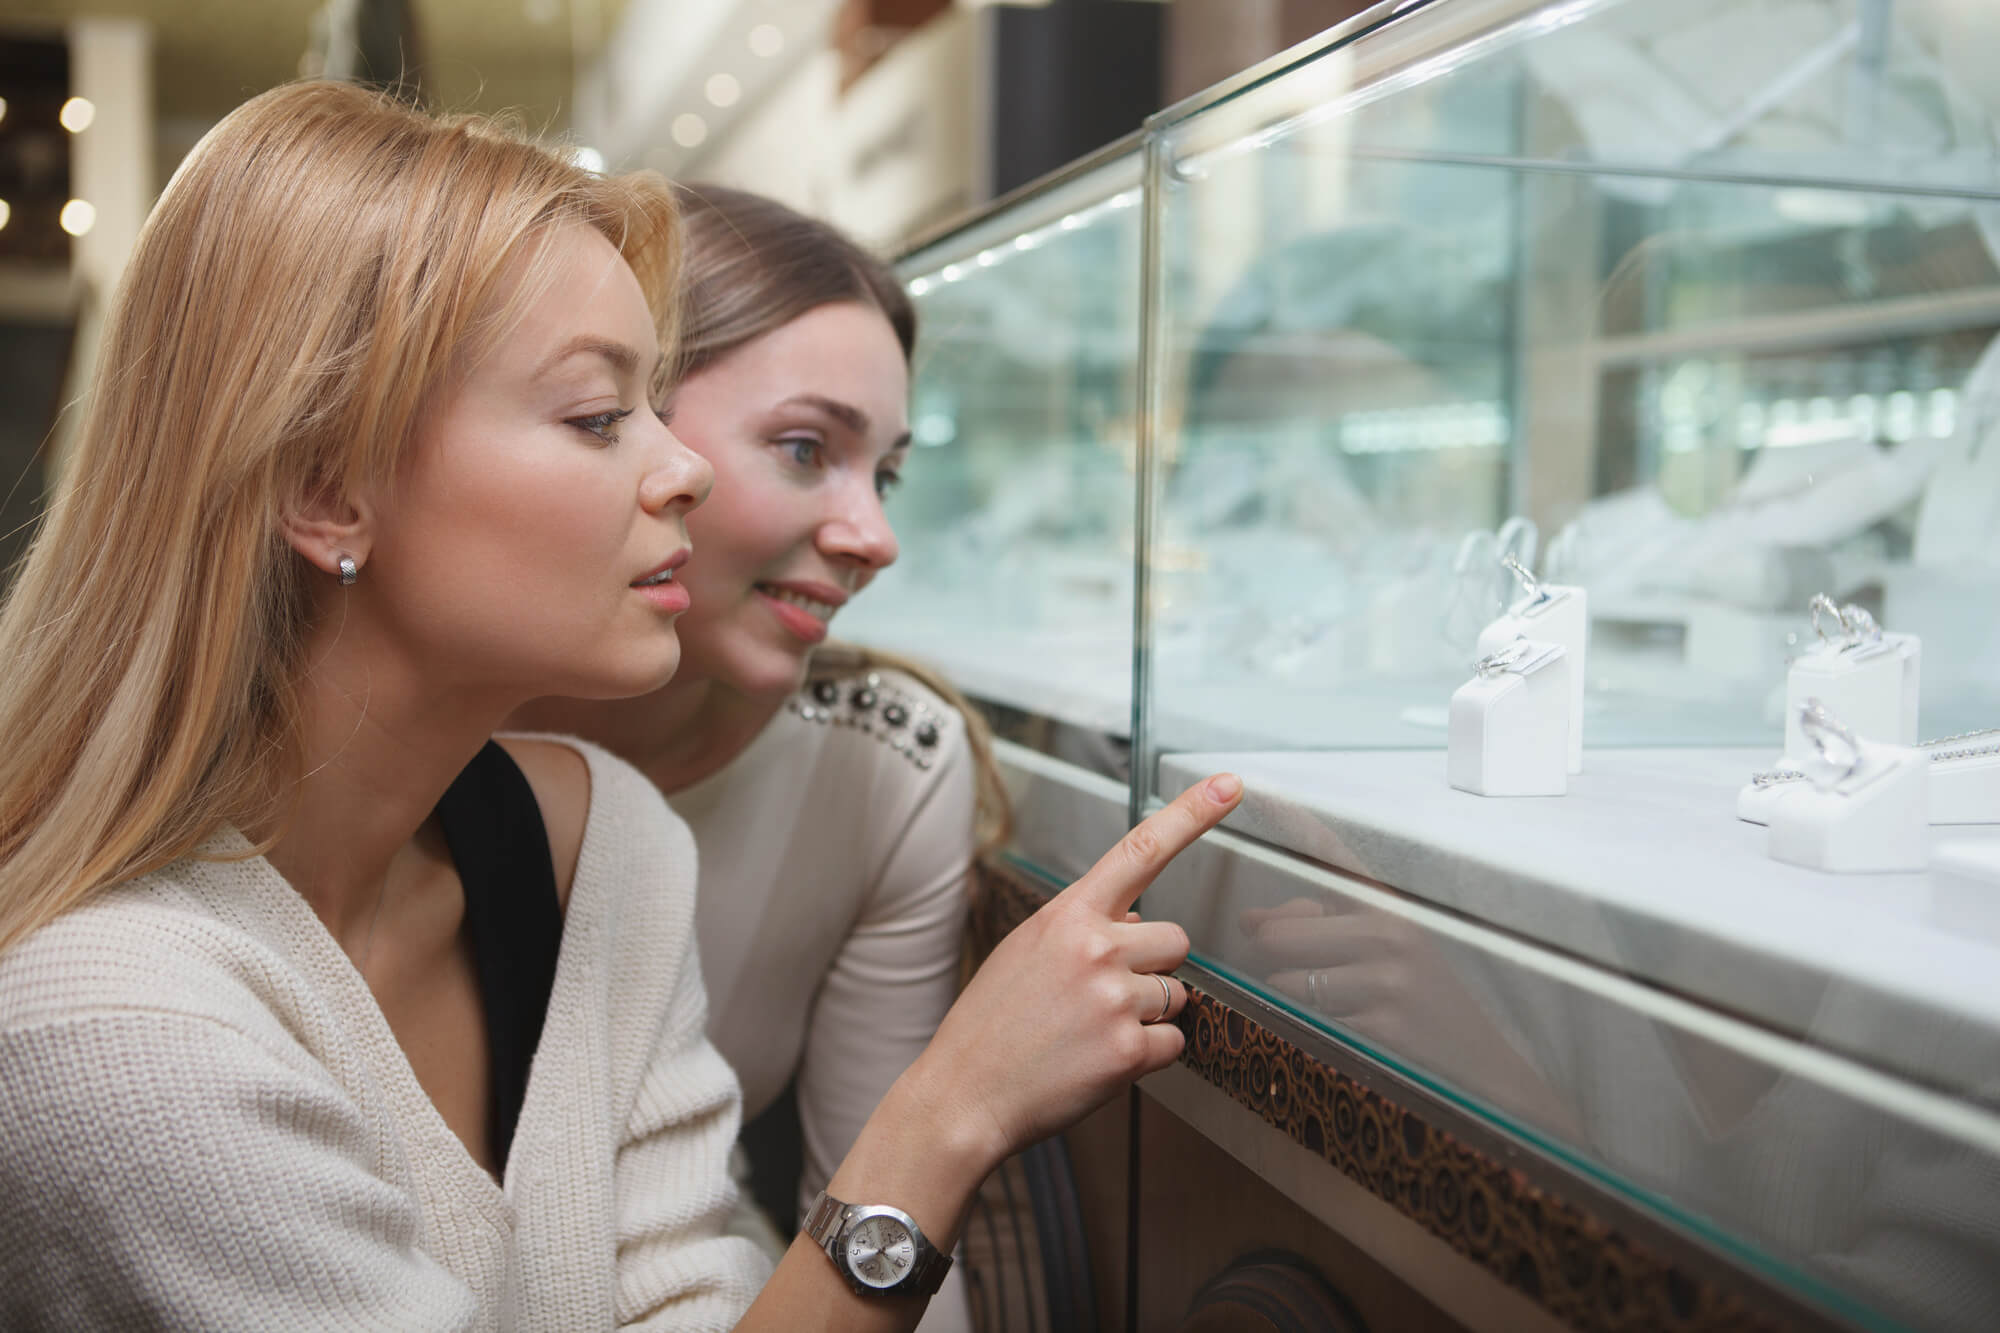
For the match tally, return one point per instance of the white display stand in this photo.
(1871, 686)
(1554, 614)
(1874, 818)
(1509, 728)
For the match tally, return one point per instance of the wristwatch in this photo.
(880, 1250)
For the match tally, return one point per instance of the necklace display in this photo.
(1964, 745)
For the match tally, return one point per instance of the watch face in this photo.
(880, 1251)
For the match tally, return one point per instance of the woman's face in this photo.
(806, 428)
(514, 551)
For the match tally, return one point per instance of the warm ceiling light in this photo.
(766, 40)
(6, 211)
(723, 89)
(76, 114)
(689, 130)
(3, 108)
(588, 158)
(78, 217)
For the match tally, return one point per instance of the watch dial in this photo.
(880, 1251)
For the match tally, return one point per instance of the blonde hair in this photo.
(321, 265)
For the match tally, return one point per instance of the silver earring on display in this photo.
(349, 571)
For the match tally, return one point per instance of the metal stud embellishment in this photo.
(906, 723)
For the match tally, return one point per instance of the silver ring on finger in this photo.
(1166, 1001)
(1314, 980)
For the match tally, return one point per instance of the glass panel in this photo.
(1693, 308)
(1016, 513)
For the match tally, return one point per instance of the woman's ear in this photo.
(327, 526)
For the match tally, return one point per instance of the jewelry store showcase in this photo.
(1551, 450)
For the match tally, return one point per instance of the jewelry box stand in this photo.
(1868, 678)
(1510, 724)
(1875, 817)
(1553, 614)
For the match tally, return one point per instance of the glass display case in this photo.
(1655, 342)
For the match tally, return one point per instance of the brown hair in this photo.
(754, 265)
(320, 266)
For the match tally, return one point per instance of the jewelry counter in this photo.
(1593, 398)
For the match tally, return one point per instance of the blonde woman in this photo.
(373, 460)
(836, 816)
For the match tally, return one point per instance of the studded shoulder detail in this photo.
(907, 722)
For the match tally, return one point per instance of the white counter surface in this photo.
(1644, 868)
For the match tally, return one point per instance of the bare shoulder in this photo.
(560, 778)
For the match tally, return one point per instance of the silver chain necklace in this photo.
(1965, 745)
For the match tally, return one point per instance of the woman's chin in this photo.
(637, 678)
(769, 672)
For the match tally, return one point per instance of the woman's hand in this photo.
(1072, 1005)
(1385, 979)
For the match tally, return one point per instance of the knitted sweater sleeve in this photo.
(673, 1192)
(167, 1169)
(675, 1267)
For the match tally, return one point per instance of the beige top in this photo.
(835, 853)
(206, 1122)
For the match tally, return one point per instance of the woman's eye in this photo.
(604, 425)
(665, 412)
(885, 482)
(803, 450)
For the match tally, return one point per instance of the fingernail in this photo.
(1225, 788)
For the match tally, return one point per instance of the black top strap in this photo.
(498, 843)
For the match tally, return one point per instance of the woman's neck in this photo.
(679, 734)
(380, 745)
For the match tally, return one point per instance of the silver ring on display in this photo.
(1835, 751)
(1822, 605)
(1860, 626)
(1530, 585)
(1772, 777)
(1166, 1001)
(1500, 659)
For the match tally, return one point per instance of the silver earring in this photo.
(349, 571)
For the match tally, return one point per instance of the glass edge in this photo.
(1148, 385)
(1373, 19)
(953, 229)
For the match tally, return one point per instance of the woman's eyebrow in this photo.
(624, 360)
(846, 414)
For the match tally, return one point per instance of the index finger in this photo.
(1123, 873)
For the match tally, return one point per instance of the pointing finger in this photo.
(1124, 872)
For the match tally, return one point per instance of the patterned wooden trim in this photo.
(1585, 1272)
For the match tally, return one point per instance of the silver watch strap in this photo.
(824, 1221)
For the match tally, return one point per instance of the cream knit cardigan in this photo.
(205, 1120)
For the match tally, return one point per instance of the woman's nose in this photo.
(859, 533)
(682, 479)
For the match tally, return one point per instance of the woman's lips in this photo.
(661, 588)
(670, 597)
(798, 611)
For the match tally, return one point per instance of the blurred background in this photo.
(886, 116)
